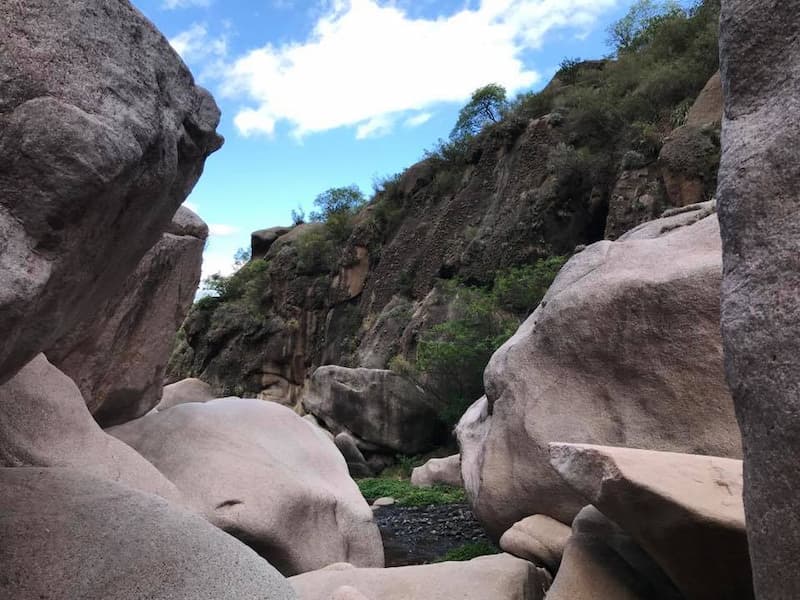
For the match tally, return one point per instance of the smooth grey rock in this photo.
(183, 391)
(103, 134)
(68, 536)
(498, 577)
(438, 471)
(44, 422)
(681, 508)
(624, 349)
(539, 539)
(262, 473)
(118, 356)
(356, 463)
(760, 223)
(377, 406)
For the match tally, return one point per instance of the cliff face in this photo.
(535, 185)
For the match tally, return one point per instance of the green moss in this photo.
(469, 551)
(408, 495)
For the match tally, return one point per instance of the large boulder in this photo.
(377, 406)
(183, 391)
(539, 539)
(118, 355)
(260, 472)
(602, 562)
(45, 423)
(103, 134)
(67, 535)
(758, 196)
(681, 508)
(623, 350)
(438, 471)
(499, 577)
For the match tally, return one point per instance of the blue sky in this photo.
(324, 93)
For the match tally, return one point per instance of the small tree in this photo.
(487, 105)
(336, 209)
(631, 31)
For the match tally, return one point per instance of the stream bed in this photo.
(415, 535)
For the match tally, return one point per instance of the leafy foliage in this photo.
(487, 105)
(521, 289)
(337, 207)
(407, 495)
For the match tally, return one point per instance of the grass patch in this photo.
(408, 495)
(469, 551)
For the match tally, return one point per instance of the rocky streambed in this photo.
(415, 535)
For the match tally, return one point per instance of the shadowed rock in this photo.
(69, 536)
(103, 134)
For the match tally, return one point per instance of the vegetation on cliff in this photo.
(438, 268)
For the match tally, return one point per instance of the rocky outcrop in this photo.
(760, 50)
(67, 535)
(119, 354)
(261, 241)
(624, 349)
(99, 146)
(500, 577)
(377, 406)
(538, 539)
(44, 422)
(602, 562)
(438, 471)
(263, 474)
(186, 390)
(356, 463)
(681, 508)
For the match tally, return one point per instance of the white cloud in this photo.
(196, 44)
(367, 64)
(174, 4)
(191, 206)
(419, 119)
(377, 126)
(222, 230)
(216, 262)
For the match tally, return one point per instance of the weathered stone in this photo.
(262, 240)
(671, 219)
(347, 592)
(119, 354)
(758, 195)
(688, 162)
(103, 136)
(68, 536)
(685, 510)
(538, 539)
(44, 422)
(638, 196)
(183, 391)
(624, 349)
(377, 406)
(438, 471)
(260, 472)
(356, 463)
(707, 108)
(499, 577)
(601, 562)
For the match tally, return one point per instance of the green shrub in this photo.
(316, 252)
(408, 495)
(469, 551)
(569, 70)
(248, 282)
(521, 289)
(487, 105)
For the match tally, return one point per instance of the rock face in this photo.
(118, 355)
(439, 471)
(263, 474)
(538, 539)
(760, 303)
(499, 577)
(186, 390)
(377, 406)
(45, 423)
(681, 508)
(624, 349)
(601, 562)
(67, 535)
(99, 145)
